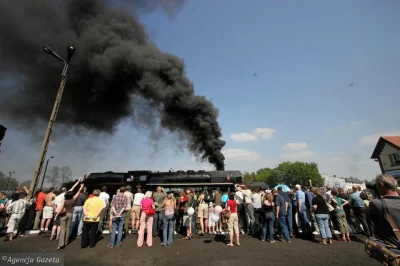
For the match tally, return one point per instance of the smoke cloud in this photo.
(114, 66)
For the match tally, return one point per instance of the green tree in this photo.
(65, 174)
(53, 176)
(5, 180)
(292, 173)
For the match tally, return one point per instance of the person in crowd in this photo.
(241, 209)
(84, 192)
(249, 209)
(281, 207)
(211, 223)
(91, 217)
(159, 197)
(359, 209)
(146, 220)
(340, 215)
(258, 219)
(118, 206)
(127, 216)
(77, 221)
(218, 202)
(233, 223)
(202, 213)
(269, 219)
(321, 211)
(310, 214)
(347, 210)
(379, 209)
(169, 206)
(188, 219)
(3, 209)
(105, 197)
(302, 210)
(48, 211)
(289, 211)
(66, 212)
(17, 210)
(136, 210)
(180, 205)
(40, 202)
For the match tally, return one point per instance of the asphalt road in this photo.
(199, 251)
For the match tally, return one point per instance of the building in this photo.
(387, 153)
(333, 181)
(352, 181)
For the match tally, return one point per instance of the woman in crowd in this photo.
(168, 205)
(341, 215)
(233, 223)
(146, 219)
(321, 211)
(269, 219)
(66, 211)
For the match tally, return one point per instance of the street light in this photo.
(45, 170)
(47, 136)
(11, 173)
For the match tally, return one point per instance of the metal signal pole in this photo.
(46, 140)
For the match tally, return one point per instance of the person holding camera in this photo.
(118, 206)
(379, 208)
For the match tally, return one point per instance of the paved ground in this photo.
(200, 251)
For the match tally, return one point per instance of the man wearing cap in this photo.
(128, 194)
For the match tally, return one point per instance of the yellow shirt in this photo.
(93, 206)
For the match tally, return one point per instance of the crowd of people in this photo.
(264, 214)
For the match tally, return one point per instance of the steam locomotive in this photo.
(171, 181)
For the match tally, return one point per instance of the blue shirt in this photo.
(301, 196)
(224, 198)
(309, 198)
(356, 201)
(279, 201)
(285, 196)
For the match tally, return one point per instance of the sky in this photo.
(314, 81)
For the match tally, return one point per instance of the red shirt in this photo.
(232, 206)
(40, 201)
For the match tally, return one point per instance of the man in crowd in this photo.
(105, 197)
(47, 214)
(379, 209)
(40, 201)
(77, 214)
(281, 213)
(289, 216)
(158, 197)
(302, 210)
(359, 209)
(129, 196)
(135, 211)
(118, 206)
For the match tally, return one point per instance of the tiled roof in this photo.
(394, 140)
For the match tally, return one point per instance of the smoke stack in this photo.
(115, 67)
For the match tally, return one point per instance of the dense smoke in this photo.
(114, 66)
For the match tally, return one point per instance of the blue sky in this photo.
(318, 79)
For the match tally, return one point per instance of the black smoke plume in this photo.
(114, 65)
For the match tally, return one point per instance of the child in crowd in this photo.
(211, 223)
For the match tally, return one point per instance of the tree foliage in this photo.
(5, 180)
(53, 176)
(26, 183)
(289, 173)
(65, 174)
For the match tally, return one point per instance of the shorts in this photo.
(47, 212)
(203, 211)
(187, 220)
(58, 221)
(136, 212)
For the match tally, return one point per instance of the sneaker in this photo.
(222, 233)
(273, 241)
(175, 233)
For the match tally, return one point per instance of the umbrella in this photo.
(283, 186)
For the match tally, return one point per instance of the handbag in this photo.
(150, 211)
(226, 214)
(388, 254)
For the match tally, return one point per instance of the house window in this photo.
(395, 158)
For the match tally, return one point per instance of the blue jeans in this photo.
(323, 224)
(289, 217)
(285, 231)
(77, 220)
(168, 226)
(268, 223)
(117, 224)
(305, 224)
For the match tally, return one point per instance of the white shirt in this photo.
(104, 197)
(247, 193)
(138, 198)
(58, 201)
(239, 197)
(256, 198)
